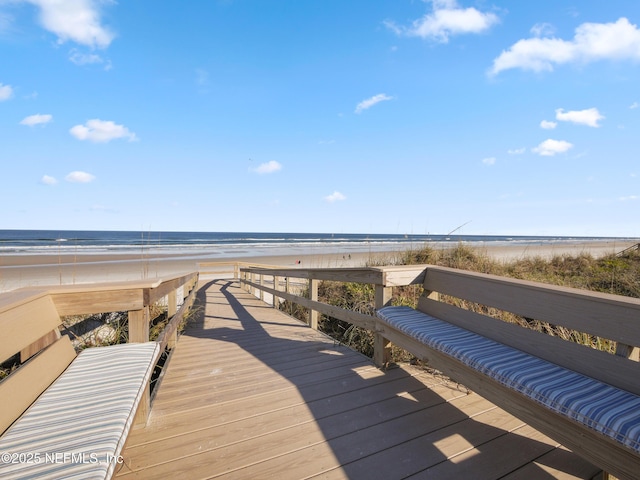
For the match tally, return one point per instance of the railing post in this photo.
(236, 270)
(276, 286)
(139, 325)
(172, 308)
(261, 285)
(313, 295)
(382, 346)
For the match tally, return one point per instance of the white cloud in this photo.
(370, 102)
(101, 131)
(269, 167)
(589, 117)
(634, 105)
(517, 151)
(36, 119)
(77, 20)
(80, 58)
(489, 161)
(542, 30)
(446, 20)
(547, 125)
(629, 198)
(48, 180)
(592, 42)
(6, 92)
(80, 177)
(335, 197)
(550, 147)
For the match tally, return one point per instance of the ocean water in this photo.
(229, 244)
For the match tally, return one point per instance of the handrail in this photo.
(134, 297)
(382, 278)
(631, 248)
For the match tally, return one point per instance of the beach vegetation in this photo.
(615, 273)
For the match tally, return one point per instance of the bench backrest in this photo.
(28, 325)
(613, 317)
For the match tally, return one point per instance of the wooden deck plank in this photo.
(559, 463)
(252, 393)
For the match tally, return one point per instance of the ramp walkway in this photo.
(251, 393)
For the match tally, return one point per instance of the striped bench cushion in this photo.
(604, 408)
(78, 426)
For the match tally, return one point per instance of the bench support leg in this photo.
(382, 346)
(144, 408)
(381, 351)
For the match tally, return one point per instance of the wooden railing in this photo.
(134, 297)
(606, 318)
(278, 282)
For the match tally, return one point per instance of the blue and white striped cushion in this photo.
(604, 408)
(82, 420)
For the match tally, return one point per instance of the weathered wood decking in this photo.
(252, 393)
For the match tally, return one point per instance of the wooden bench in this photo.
(63, 415)
(586, 399)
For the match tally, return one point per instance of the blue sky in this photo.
(363, 116)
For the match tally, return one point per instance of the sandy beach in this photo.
(18, 271)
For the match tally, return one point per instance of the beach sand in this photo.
(40, 270)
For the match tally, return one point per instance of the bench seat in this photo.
(78, 426)
(611, 411)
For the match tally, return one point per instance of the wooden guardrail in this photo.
(135, 297)
(629, 249)
(503, 310)
(384, 279)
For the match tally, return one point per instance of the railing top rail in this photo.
(15, 298)
(387, 275)
(232, 263)
(533, 287)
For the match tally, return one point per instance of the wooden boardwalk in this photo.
(251, 393)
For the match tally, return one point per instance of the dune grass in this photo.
(616, 274)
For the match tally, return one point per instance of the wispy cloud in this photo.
(48, 180)
(634, 105)
(589, 117)
(446, 19)
(101, 131)
(36, 119)
(489, 161)
(629, 198)
(80, 58)
(79, 177)
(78, 21)
(370, 102)
(517, 151)
(548, 125)
(592, 42)
(335, 197)
(6, 92)
(551, 147)
(268, 167)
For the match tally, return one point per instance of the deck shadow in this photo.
(292, 403)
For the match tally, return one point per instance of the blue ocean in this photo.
(227, 244)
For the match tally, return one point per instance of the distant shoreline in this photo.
(25, 270)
